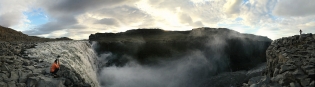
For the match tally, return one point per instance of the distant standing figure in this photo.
(300, 32)
(55, 68)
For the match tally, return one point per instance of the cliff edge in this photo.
(290, 63)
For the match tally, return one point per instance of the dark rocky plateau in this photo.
(150, 45)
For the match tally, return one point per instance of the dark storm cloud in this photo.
(63, 13)
(78, 6)
(9, 19)
(107, 21)
(59, 24)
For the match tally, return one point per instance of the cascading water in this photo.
(76, 55)
(194, 69)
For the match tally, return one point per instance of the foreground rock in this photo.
(19, 70)
(290, 63)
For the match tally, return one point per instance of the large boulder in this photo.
(42, 81)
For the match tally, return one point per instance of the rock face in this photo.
(290, 63)
(77, 61)
(148, 46)
(17, 69)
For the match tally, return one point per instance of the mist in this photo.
(189, 70)
(177, 62)
(186, 72)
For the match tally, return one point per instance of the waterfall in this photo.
(76, 55)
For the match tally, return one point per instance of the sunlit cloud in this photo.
(271, 18)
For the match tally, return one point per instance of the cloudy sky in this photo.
(78, 19)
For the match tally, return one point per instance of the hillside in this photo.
(8, 34)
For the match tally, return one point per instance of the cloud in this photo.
(11, 13)
(107, 21)
(60, 24)
(186, 19)
(295, 8)
(64, 14)
(120, 15)
(232, 7)
(10, 18)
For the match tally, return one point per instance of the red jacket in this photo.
(54, 66)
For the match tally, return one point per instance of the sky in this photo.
(77, 19)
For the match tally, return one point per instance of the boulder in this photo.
(32, 81)
(3, 84)
(50, 82)
(14, 76)
(254, 80)
(12, 84)
(21, 85)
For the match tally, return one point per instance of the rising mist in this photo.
(156, 58)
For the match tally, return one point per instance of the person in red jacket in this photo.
(55, 68)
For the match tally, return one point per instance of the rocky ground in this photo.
(290, 63)
(19, 70)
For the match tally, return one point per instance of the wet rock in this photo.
(29, 68)
(305, 82)
(12, 84)
(23, 77)
(254, 80)
(26, 63)
(50, 82)
(312, 84)
(68, 83)
(14, 76)
(292, 84)
(277, 78)
(9, 61)
(21, 85)
(38, 60)
(3, 84)
(32, 81)
(287, 67)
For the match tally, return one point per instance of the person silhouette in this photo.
(300, 32)
(55, 67)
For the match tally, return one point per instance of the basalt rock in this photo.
(17, 69)
(290, 61)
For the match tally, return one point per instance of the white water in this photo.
(76, 55)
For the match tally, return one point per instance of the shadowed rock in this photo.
(290, 61)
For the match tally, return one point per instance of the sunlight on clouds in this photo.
(270, 33)
(159, 14)
(307, 27)
(272, 18)
(232, 7)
